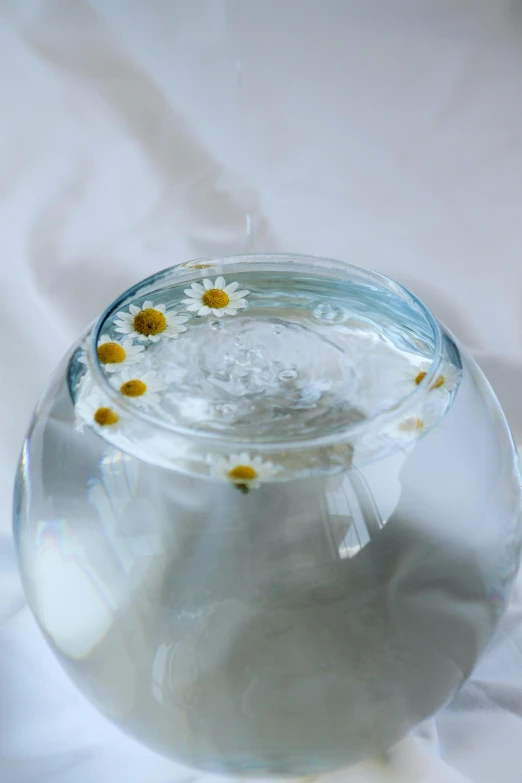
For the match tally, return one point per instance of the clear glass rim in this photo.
(156, 281)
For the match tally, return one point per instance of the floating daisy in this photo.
(149, 322)
(115, 355)
(142, 388)
(415, 374)
(243, 471)
(217, 298)
(97, 412)
(448, 379)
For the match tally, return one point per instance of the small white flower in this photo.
(142, 388)
(96, 411)
(217, 298)
(242, 469)
(418, 423)
(447, 380)
(115, 355)
(415, 374)
(149, 322)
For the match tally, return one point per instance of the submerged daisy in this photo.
(420, 422)
(143, 388)
(217, 298)
(115, 354)
(413, 425)
(149, 322)
(244, 471)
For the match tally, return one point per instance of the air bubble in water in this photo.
(239, 341)
(256, 353)
(278, 329)
(228, 360)
(243, 358)
(288, 375)
(221, 374)
(222, 409)
(331, 313)
(216, 325)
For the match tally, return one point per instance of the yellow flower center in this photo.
(105, 417)
(133, 388)
(216, 297)
(420, 377)
(149, 321)
(242, 473)
(111, 353)
(411, 425)
(441, 380)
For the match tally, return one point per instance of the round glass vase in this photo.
(268, 513)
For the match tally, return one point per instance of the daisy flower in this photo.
(114, 355)
(217, 298)
(418, 423)
(415, 374)
(93, 410)
(242, 470)
(448, 379)
(412, 425)
(149, 322)
(143, 388)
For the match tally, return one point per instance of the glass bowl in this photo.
(268, 513)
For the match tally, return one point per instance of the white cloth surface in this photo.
(136, 134)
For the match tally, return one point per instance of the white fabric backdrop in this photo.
(136, 133)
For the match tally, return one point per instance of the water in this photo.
(306, 357)
(310, 619)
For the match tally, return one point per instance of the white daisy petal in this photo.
(161, 308)
(148, 305)
(220, 282)
(193, 294)
(208, 284)
(124, 321)
(206, 310)
(131, 348)
(239, 295)
(176, 334)
(231, 287)
(123, 328)
(134, 310)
